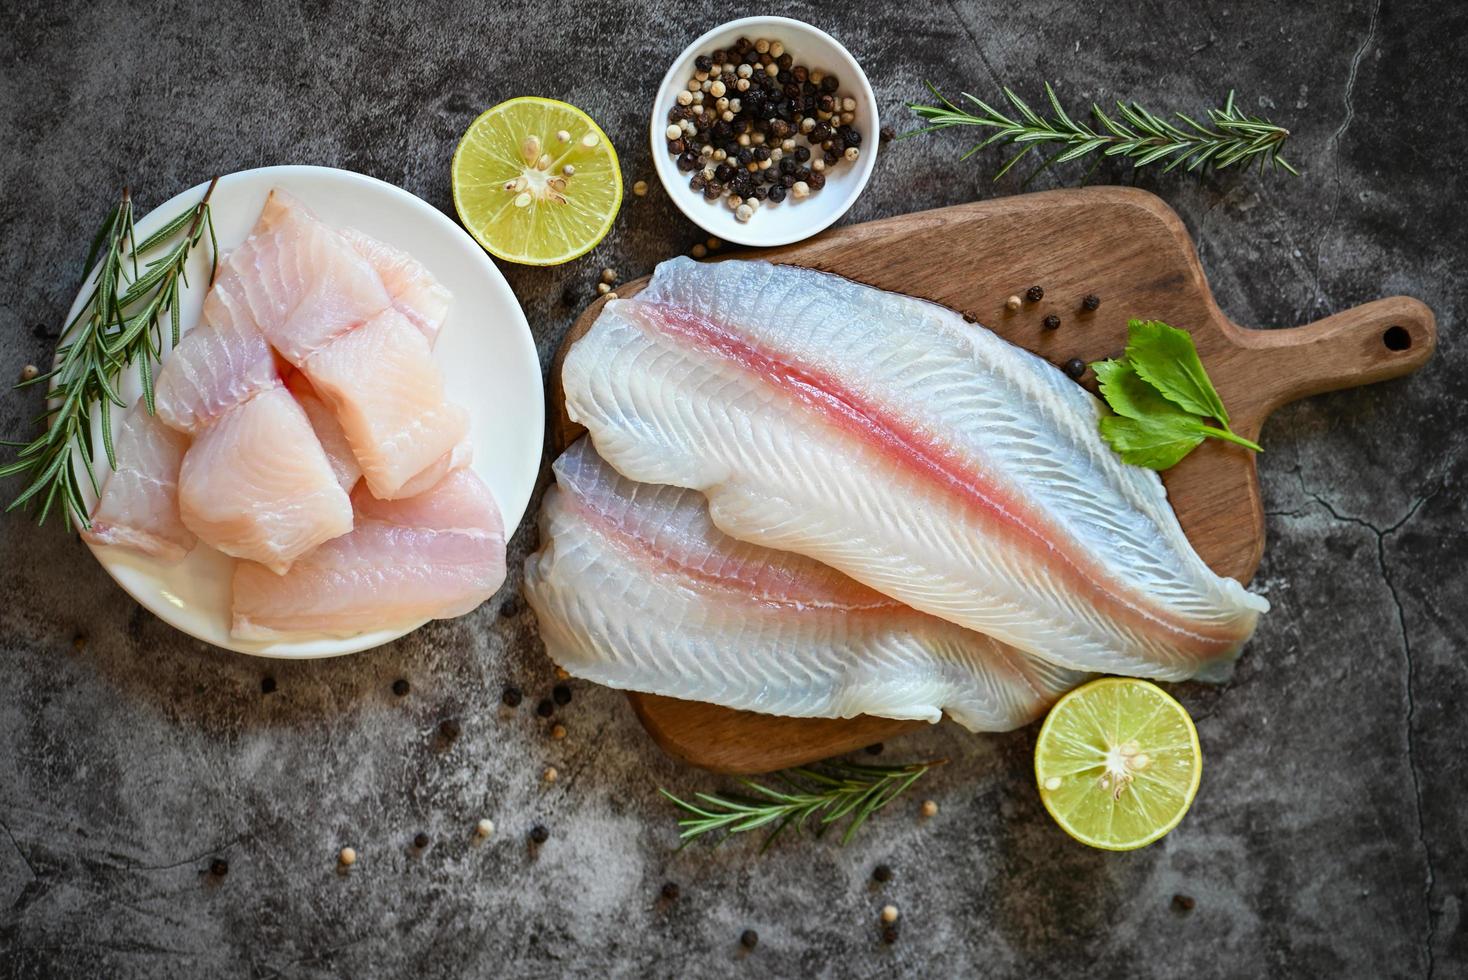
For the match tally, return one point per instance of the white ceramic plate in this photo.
(485, 350)
(790, 220)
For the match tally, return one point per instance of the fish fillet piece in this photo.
(635, 588)
(139, 504)
(415, 292)
(455, 459)
(388, 395)
(433, 556)
(219, 364)
(299, 281)
(256, 484)
(328, 431)
(917, 453)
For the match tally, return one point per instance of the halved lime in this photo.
(536, 181)
(1118, 763)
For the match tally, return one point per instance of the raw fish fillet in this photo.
(256, 484)
(299, 281)
(219, 364)
(388, 395)
(917, 453)
(455, 459)
(139, 504)
(328, 432)
(415, 292)
(635, 588)
(433, 556)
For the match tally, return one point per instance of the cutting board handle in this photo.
(1373, 342)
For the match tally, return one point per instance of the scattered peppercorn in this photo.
(267, 684)
(1035, 293)
(420, 840)
(545, 708)
(550, 775)
(1075, 367)
(1184, 903)
(749, 939)
(219, 867)
(79, 642)
(670, 891)
(882, 873)
(484, 828)
(347, 856)
(401, 687)
(640, 188)
(889, 934)
(609, 275)
(29, 373)
(538, 834)
(1091, 303)
(603, 288)
(449, 729)
(558, 732)
(1051, 322)
(511, 607)
(698, 251)
(562, 694)
(875, 748)
(889, 914)
(511, 696)
(1012, 304)
(930, 808)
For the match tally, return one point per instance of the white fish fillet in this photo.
(219, 364)
(433, 556)
(919, 454)
(415, 292)
(328, 432)
(256, 484)
(323, 306)
(635, 588)
(139, 504)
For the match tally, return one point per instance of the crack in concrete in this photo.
(191, 859)
(1381, 535)
(1334, 143)
(16, 844)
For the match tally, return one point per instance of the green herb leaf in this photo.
(1165, 357)
(1128, 394)
(1158, 442)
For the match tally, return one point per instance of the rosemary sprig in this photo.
(120, 322)
(1229, 136)
(826, 794)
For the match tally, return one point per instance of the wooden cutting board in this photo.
(1130, 249)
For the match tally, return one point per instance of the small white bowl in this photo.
(790, 220)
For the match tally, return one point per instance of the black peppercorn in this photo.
(511, 606)
(802, 154)
(511, 697)
(712, 190)
(830, 83)
(743, 44)
(786, 62)
(676, 147)
(776, 194)
(746, 155)
(670, 891)
(1051, 322)
(538, 834)
(703, 62)
(1091, 303)
(1184, 903)
(545, 708)
(820, 133)
(1075, 367)
(1035, 293)
(889, 934)
(749, 939)
(267, 684)
(420, 840)
(831, 156)
(401, 687)
(882, 873)
(850, 137)
(562, 694)
(720, 57)
(761, 153)
(689, 160)
(696, 182)
(449, 729)
(816, 180)
(724, 171)
(219, 867)
(800, 73)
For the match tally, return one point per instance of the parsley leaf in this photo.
(1161, 396)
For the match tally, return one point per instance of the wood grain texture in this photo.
(1130, 249)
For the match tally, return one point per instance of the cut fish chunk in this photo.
(433, 556)
(299, 281)
(388, 395)
(917, 453)
(219, 364)
(455, 459)
(328, 431)
(139, 504)
(415, 292)
(257, 485)
(635, 588)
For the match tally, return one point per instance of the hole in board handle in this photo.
(1396, 339)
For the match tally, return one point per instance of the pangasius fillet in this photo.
(433, 556)
(415, 292)
(918, 453)
(256, 484)
(221, 363)
(328, 431)
(635, 588)
(322, 304)
(139, 504)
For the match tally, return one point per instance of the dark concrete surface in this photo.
(1328, 838)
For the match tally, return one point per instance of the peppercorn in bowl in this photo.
(764, 131)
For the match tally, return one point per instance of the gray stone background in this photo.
(1329, 834)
